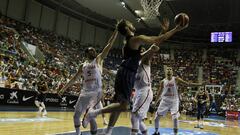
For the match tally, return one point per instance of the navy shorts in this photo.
(124, 84)
(201, 108)
(40, 97)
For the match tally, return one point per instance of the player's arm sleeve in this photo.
(75, 77)
(107, 48)
(155, 39)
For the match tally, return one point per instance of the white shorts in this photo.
(168, 104)
(99, 106)
(142, 101)
(87, 100)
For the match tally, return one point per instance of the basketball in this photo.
(182, 19)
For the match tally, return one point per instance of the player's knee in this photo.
(76, 115)
(157, 116)
(134, 117)
(175, 115)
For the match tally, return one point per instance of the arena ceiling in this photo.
(205, 15)
(200, 11)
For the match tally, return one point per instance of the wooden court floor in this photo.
(64, 123)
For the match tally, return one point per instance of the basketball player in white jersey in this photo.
(91, 93)
(169, 98)
(143, 90)
(143, 95)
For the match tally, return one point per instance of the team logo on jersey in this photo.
(63, 101)
(170, 85)
(13, 98)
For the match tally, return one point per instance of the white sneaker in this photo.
(90, 114)
(45, 113)
(40, 110)
(104, 132)
(105, 121)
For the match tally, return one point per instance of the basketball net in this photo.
(150, 8)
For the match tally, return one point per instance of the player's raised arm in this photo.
(164, 25)
(156, 39)
(147, 55)
(75, 77)
(107, 48)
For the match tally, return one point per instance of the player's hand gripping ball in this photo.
(181, 19)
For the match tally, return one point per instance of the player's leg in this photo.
(112, 120)
(135, 118)
(93, 127)
(143, 127)
(203, 109)
(100, 106)
(162, 110)
(175, 122)
(123, 86)
(80, 107)
(37, 103)
(43, 108)
(157, 124)
(147, 97)
(175, 115)
(135, 123)
(198, 116)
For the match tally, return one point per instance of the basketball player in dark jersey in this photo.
(201, 98)
(125, 76)
(42, 88)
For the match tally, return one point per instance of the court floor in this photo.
(28, 123)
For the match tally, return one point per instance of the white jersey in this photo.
(144, 94)
(143, 78)
(170, 89)
(92, 78)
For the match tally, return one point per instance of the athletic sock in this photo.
(109, 130)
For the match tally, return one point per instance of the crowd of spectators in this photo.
(231, 103)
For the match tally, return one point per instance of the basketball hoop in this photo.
(150, 8)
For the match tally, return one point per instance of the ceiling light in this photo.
(137, 11)
(143, 18)
(138, 19)
(123, 3)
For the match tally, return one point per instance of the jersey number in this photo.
(89, 73)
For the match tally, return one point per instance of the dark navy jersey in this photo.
(201, 97)
(131, 57)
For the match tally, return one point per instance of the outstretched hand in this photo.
(165, 25)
